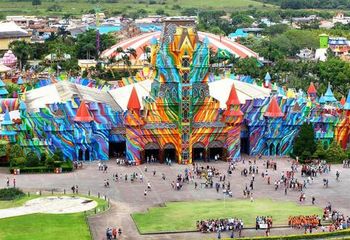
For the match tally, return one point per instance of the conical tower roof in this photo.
(83, 114)
(312, 89)
(274, 110)
(7, 119)
(328, 96)
(134, 103)
(233, 97)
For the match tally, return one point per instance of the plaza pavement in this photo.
(127, 197)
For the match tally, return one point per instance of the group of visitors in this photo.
(315, 168)
(271, 164)
(215, 225)
(301, 221)
(77, 164)
(263, 222)
(346, 163)
(151, 159)
(8, 182)
(102, 167)
(113, 233)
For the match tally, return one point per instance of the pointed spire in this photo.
(20, 81)
(322, 100)
(347, 103)
(83, 114)
(328, 96)
(233, 105)
(274, 109)
(342, 100)
(134, 103)
(7, 119)
(312, 89)
(22, 106)
(267, 79)
(2, 84)
(233, 97)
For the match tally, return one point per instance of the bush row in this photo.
(65, 166)
(7, 194)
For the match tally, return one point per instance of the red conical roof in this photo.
(274, 109)
(83, 114)
(232, 98)
(134, 103)
(342, 101)
(311, 88)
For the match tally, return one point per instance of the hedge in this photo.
(7, 194)
(340, 233)
(66, 167)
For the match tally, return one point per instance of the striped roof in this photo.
(215, 42)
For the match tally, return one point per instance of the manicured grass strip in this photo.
(45, 226)
(182, 216)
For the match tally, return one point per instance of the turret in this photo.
(3, 91)
(267, 83)
(83, 113)
(312, 92)
(233, 118)
(274, 110)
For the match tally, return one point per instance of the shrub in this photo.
(7, 194)
(32, 160)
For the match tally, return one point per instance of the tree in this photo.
(248, 66)
(335, 153)
(32, 159)
(16, 155)
(304, 145)
(22, 50)
(36, 2)
(320, 152)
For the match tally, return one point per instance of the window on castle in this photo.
(185, 62)
(185, 76)
(185, 114)
(185, 137)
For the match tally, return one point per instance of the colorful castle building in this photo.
(179, 115)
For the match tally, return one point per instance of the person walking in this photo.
(14, 182)
(313, 200)
(337, 175)
(8, 182)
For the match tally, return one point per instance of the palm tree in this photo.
(22, 51)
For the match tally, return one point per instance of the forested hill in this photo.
(308, 4)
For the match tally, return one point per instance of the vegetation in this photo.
(311, 4)
(127, 8)
(181, 216)
(7, 194)
(32, 162)
(304, 145)
(35, 226)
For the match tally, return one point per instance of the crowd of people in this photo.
(113, 233)
(215, 225)
(314, 168)
(312, 221)
(263, 222)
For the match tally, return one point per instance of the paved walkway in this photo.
(128, 197)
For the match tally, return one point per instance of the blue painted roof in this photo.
(7, 119)
(328, 96)
(347, 103)
(322, 100)
(267, 77)
(7, 133)
(20, 81)
(3, 91)
(22, 106)
(238, 33)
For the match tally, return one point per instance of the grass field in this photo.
(77, 7)
(181, 216)
(45, 226)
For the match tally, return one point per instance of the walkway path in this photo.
(128, 197)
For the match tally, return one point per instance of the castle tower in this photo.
(267, 83)
(312, 92)
(7, 129)
(233, 117)
(133, 132)
(273, 117)
(3, 91)
(342, 131)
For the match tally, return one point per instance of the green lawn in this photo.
(180, 216)
(46, 226)
(77, 7)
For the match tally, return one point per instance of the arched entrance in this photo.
(87, 155)
(216, 150)
(152, 153)
(278, 149)
(169, 153)
(198, 152)
(80, 154)
(272, 149)
(117, 149)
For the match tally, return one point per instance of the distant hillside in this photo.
(133, 7)
(310, 4)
